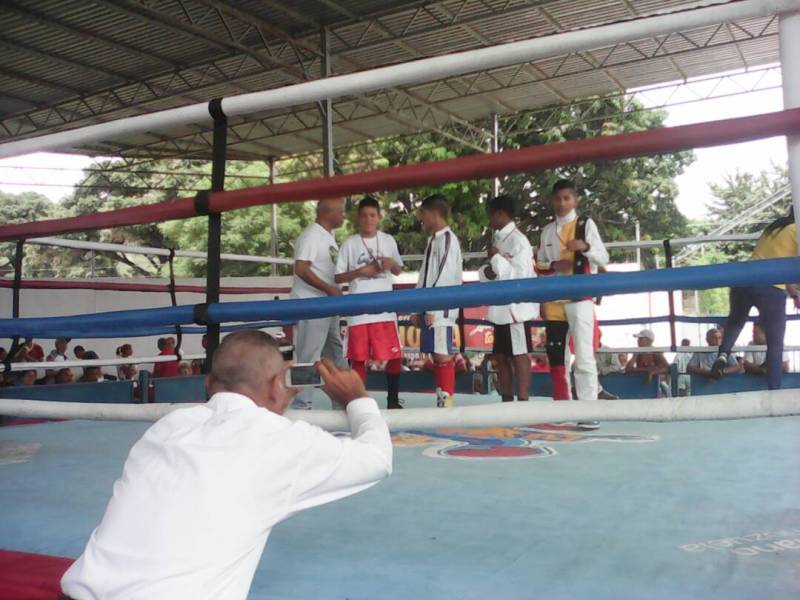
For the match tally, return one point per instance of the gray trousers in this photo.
(315, 339)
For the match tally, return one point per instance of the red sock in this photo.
(558, 375)
(394, 366)
(360, 367)
(445, 376)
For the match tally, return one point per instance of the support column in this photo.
(495, 149)
(789, 31)
(219, 148)
(326, 108)
(273, 222)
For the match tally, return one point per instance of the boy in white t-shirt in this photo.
(366, 261)
(314, 277)
(510, 257)
(442, 267)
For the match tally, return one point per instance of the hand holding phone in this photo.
(342, 385)
(303, 375)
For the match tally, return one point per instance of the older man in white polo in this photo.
(202, 489)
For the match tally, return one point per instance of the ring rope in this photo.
(481, 166)
(419, 300)
(741, 405)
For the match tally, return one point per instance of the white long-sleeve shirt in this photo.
(551, 243)
(514, 260)
(441, 267)
(202, 489)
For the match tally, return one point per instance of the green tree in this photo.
(23, 208)
(736, 196)
(616, 194)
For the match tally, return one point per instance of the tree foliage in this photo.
(615, 193)
(736, 196)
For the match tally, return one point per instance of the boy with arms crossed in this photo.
(510, 257)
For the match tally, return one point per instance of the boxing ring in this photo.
(695, 509)
(689, 497)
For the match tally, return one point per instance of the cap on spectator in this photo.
(646, 333)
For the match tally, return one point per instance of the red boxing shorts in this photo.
(374, 341)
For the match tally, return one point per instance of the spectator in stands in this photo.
(184, 370)
(166, 369)
(682, 362)
(48, 379)
(34, 351)
(755, 361)
(460, 363)
(59, 353)
(651, 364)
(701, 362)
(26, 377)
(78, 351)
(610, 362)
(127, 371)
(91, 374)
(64, 376)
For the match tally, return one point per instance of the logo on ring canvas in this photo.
(505, 442)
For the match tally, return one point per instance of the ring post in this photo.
(219, 148)
(671, 296)
(789, 35)
(19, 256)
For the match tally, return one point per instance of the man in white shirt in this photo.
(755, 360)
(203, 487)
(367, 261)
(510, 257)
(314, 271)
(442, 267)
(570, 246)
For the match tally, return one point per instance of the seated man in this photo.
(202, 489)
(701, 362)
(651, 364)
(755, 361)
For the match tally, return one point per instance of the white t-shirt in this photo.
(317, 245)
(357, 252)
(759, 357)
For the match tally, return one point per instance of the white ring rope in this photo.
(742, 405)
(124, 248)
(108, 247)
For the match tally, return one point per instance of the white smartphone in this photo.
(303, 375)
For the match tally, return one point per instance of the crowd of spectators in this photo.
(31, 352)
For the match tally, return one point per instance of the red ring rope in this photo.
(478, 166)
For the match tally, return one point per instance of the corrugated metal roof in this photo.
(71, 64)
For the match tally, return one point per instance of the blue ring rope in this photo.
(120, 323)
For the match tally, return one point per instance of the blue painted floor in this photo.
(633, 510)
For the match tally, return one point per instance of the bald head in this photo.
(330, 213)
(245, 362)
